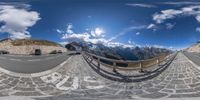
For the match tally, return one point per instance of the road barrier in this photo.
(126, 64)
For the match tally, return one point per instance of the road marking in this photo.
(75, 83)
(52, 78)
(93, 80)
(59, 85)
(15, 59)
(55, 78)
(49, 58)
(34, 60)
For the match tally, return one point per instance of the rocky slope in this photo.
(29, 46)
(194, 48)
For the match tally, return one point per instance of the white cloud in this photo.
(98, 32)
(16, 4)
(118, 44)
(156, 46)
(141, 5)
(63, 43)
(87, 29)
(59, 31)
(94, 37)
(166, 14)
(152, 26)
(69, 28)
(126, 30)
(198, 29)
(181, 3)
(138, 33)
(198, 18)
(129, 41)
(17, 21)
(131, 44)
(82, 36)
(87, 37)
(170, 25)
(160, 46)
(173, 13)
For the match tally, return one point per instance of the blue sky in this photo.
(162, 23)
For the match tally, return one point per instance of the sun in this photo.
(99, 31)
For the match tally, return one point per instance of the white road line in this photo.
(49, 58)
(34, 60)
(15, 59)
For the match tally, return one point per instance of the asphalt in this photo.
(194, 57)
(31, 64)
(76, 80)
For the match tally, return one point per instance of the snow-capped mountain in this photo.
(121, 52)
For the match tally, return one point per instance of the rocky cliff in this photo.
(194, 48)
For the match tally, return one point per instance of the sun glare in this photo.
(99, 31)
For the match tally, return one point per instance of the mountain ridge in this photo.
(121, 53)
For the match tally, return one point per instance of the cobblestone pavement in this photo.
(76, 80)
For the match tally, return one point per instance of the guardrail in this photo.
(125, 64)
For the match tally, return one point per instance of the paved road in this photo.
(179, 80)
(76, 80)
(194, 57)
(31, 64)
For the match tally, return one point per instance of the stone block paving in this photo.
(76, 80)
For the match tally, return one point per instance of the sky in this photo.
(161, 23)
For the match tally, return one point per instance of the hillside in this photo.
(20, 42)
(194, 48)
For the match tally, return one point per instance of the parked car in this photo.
(53, 52)
(4, 52)
(59, 51)
(38, 52)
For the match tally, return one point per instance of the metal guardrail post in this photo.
(114, 67)
(98, 61)
(98, 65)
(91, 58)
(87, 56)
(141, 66)
(157, 61)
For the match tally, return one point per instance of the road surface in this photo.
(77, 80)
(194, 57)
(31, 64)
